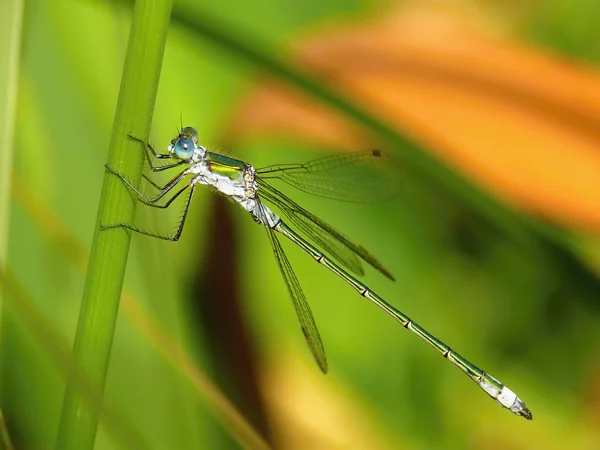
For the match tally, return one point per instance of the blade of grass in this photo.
(108, 257)
(11, 21)
(48, 338)
(165, 344)
(10, 49)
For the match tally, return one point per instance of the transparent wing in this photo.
(301, 306)
(323, 235)
(343, 255)
(356, 177)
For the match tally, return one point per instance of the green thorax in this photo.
(225, 166)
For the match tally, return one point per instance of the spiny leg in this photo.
(168, 202)
(149, 149)
(177, 235)
(161, 168)
(149, 180)
(163, 189)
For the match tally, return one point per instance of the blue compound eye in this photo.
(184, 149)
(190, 133)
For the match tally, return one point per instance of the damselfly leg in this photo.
(163, 190)
(175, 237)
(149, 152)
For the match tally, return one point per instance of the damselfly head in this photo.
(182, 148)
(184, 145)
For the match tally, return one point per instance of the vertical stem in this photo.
(10, 49)
(11, 20)
(108, 257)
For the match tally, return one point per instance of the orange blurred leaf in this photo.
(521, 123)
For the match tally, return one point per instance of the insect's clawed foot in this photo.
(111, 170)
(115, 225)
(135, 138)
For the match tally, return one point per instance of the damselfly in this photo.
(249, 187)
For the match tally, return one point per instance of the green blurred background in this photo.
(526, 310)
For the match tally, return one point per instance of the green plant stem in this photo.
(10, 49)
(11, 21)
(108, 256)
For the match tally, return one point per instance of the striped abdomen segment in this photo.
(503, 395)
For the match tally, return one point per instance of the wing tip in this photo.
(388, 275)
(323, 366)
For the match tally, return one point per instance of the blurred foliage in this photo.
(565, 26)
(524, 310)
